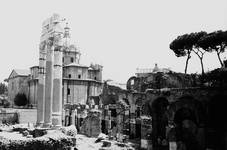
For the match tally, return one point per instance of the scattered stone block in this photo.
(106, 143)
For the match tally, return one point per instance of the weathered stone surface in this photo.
(92, 124)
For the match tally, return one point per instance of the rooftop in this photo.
(75, 65)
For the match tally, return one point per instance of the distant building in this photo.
(80, 82)
(18, 83)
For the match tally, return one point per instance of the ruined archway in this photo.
(159, 121)
(188, 115)
(131, 83)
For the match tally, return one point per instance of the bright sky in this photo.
(122, 35)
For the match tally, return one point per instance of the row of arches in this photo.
(193, 124)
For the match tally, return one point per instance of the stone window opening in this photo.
(138, 112)
(69, 75)
(68, 91)
(72, 60)
(95, 78)
(79, 76)
(113, 112)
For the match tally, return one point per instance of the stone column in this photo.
(73, 117)
(57, 88)
(67, 114)
(119, 124)
(49, 84)
(76, 121)
(63, 117)
(41, 85)
(109, 123)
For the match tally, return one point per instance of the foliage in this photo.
(11, 119)
(185, 44)
(216, 78)
(19, 129)
(6, 104)
(53, 141)
(20, 99)
(215, 41)
(3, 88)
(70, 130)
(38, 132)
(181, 48)
(170, 80)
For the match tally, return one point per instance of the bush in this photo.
(11, 119)
(70, 130)
(38, 132)
(6, 104)
(20, 130)
(20, 99)
(53, 141)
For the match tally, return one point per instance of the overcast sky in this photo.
(122, 35)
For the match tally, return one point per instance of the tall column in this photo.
(109, 124)
(73, 117)
(49, 83)
(41, 85)
(57, 88)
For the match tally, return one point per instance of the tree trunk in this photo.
(220, 59)
(202, 67)
(186, 65)
(201, 58)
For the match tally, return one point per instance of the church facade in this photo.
(79, 82)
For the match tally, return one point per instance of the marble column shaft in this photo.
(41, 86)
(57, 88)
(49, 85)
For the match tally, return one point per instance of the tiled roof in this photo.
(75, 65)
(22, 72)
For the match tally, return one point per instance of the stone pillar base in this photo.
(56, 126)
(56, 119)
(47, 125)
(39, 124)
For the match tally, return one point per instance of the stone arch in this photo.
(159, 121)
(188, 115)
(131, 83)
(185, 114)
(188, 105)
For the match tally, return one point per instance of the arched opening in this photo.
(186, 128)
(159, 122)
(131, 83)
(217, 123)
(189, 119)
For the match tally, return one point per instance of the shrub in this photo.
(25, 133)
(70, 130)
(6, 104)
(20, 99)
(19, 129)
(53, 141)
(11, 119)
(38, 132)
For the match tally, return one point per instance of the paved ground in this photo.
(86, 143)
